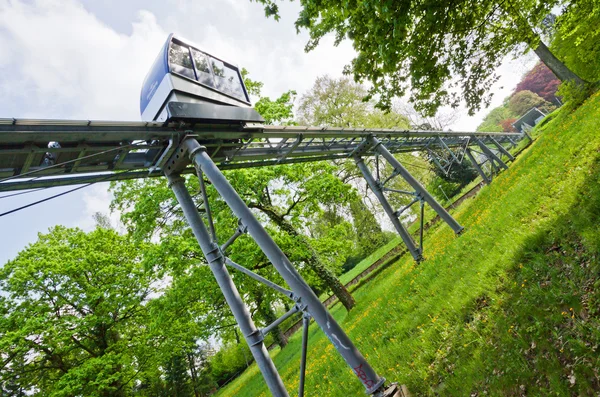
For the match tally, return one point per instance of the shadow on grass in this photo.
(541, 336)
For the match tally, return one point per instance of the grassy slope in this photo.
(369, 260)
(511, 307)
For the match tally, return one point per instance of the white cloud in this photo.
(64, 61)
(97, 198)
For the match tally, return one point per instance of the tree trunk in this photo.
(338, 289)
(559, 69)
(265, 309)
(192, 366)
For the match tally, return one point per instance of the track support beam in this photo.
(477, 167)
(303, 295)
(216, 262)
(377, 190)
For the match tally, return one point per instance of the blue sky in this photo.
(86, 59)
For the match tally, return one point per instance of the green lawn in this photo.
(369, 260)
(511, 307)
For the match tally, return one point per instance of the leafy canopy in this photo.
(440, 52)
(74, 314)
(541, 81)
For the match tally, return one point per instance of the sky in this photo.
(69, 59)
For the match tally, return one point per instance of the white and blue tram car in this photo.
(185, 80)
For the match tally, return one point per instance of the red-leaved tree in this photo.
(507, 125)
(540, 80)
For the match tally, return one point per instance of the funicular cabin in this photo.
(186, 82)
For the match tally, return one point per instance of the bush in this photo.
(439, 186)
(573, 94)
(232, 359)
(522, 101)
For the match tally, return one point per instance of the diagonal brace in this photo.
(419, 189)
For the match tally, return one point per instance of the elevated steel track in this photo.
(45, 153)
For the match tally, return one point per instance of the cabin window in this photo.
(203, 68)
(180, 61)
(228, 79)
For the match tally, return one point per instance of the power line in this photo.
(45, 199)
(31, 190)
(20, 193)
(67, 162)
(54, 196)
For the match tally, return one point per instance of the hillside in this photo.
(511, 307)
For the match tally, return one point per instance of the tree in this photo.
(491, 122)
(521, 102)
(74, 314)
(577, 37)
(441, 121)
(367, 230)
(177, 378)
(289, 196)
(507, 125)
(541, 81)
(281, 110)
(431, 48)
(340, 103)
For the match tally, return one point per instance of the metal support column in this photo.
(305, 325)
(478, 168)
(378, 191)
(420, 190)
(501, 148)
(216, 263)
(490, 155)
(367, 375)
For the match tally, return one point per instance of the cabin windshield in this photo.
(180, 62)
(205, 69)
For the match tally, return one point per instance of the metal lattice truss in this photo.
(46, 153)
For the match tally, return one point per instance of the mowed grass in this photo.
(511, 307)
(369, 260)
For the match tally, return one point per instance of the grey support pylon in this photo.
(490, 155)
(420, 194)
(216, 262)
(419, 189)
(303, 295)
(501, 148)
(477, 167)
(377, 189)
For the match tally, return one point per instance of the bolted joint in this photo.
(215, 255)
(243, 229)
(392, 390)
(376, 388)
(178, 160)
(255, 338)
(193, 152)
(175, 180)
(301, 306)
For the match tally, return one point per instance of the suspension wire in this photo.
(20, 193)
(57, 172)
(55, 196)
(68, 162)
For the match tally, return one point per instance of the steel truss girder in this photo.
(111, 147)
(420, 193)
(305, 298)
